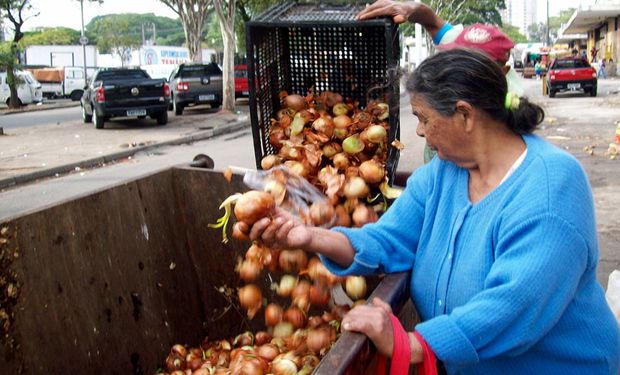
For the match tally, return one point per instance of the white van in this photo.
(28, 88)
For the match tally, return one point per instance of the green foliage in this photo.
(169, 31)
(6, 57)
(51, 36)
(213, 37)
(537, 32)
(115, 38)
(514, 33)
(468, 11)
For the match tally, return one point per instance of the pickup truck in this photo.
(121, 92)
(63, 82)
(571, 74)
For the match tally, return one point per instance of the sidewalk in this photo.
(45, 105)
(50, 150)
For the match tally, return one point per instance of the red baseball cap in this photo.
(486, 38)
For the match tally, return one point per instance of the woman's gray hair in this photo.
(471, 76)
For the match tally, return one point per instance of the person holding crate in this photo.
(486, 38)
(498, 232)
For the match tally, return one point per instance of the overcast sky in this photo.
(67, 12)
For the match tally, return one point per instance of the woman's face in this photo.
(444, 134)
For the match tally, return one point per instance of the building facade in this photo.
(520, 13)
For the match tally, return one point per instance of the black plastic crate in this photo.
(295, 47)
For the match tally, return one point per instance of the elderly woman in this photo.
(498, 231)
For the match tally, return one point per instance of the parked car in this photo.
(571, 74)
(120, 92)
(241, 81)
(193, 84)
(28, 88)
(64, 82)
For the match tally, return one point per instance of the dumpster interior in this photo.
(107, 282)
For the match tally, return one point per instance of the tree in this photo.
(51, 36)
(468, 11)
(225, 10)
(514, 33)
(537, 32)
(14, 11)
(192, 14)
(114, 37)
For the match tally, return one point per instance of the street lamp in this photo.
(548, 40)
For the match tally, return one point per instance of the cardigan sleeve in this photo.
(389, 245)
(536, 273)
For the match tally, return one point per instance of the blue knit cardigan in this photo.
(504, 286)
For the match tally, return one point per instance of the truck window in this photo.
(78, 74)
(122, 74)
(197, 71)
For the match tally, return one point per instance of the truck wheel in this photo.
(76, 95)
(177, 108)
(593, 91)
(162, 118)
(86, 117)
(98, 120)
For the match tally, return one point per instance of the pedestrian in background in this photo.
(601, 70)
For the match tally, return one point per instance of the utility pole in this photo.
(83, 41)
(418, 43)
(154, 34)
(548, 40)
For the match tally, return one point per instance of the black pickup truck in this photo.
(121, 92)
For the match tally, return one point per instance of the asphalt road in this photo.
(37, 118)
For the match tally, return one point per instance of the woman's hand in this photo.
(401, 12)
(283, 230)
(373, 321)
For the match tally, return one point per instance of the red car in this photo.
(571, 74)
(241, 81)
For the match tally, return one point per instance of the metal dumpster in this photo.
(107, 282)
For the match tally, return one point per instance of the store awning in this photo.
(567, 38)
(589, 18)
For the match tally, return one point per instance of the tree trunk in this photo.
(11, 79)
(193, 36)
(227, 25)
(192, 14)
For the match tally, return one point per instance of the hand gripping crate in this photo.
(297, 46)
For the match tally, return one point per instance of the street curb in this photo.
(82, 164)
(36, 109)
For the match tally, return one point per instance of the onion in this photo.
(342, 122)
(175, 362)
(356, 287)
(283, 329)
(314, 321)
(321, 213)
(287, 284)
(253, 206)
(363, 215)
(293, 261)
(249, 270)
(251, 299)
(356, 187)
(362, 119)
(244, 339)
(319, 273)
(341, 161)
(285, 112)
(331, 149)
(179, 350)
(318, 339)
(340, 109)
(371, 171)
(295, 316)
(238, 234)
(295, 102)
(324, 125)
(351, 172)
(276, 189)
(283, 367)
(270, 161)
(298, 124)
(268, 351)
(273, 314)
(319, 295)
(261, 338)
(376, 133)
(343, 219)
(276, 136)
(297, 168)
(353, 145)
